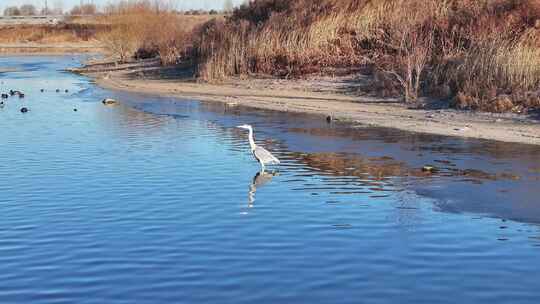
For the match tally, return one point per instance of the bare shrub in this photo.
(122, 41)
(174, 39)
(409, 61)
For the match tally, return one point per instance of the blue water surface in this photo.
(158, 200)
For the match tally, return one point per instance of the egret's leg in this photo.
(262, 167)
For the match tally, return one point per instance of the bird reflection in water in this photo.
(260, 179)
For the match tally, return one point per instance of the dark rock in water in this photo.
(109, 102)
(42, 90)
(11, 92)
(75, 110)
(24, 110)
(21, 95)
(57, 90)
(328, 119)
(429, 169)
(66, 91)
(5, 96)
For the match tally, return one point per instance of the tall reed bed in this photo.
(480, 49)
(146, 29)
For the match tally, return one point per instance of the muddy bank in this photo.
(49, 48)
(7, 70)
(338, 97)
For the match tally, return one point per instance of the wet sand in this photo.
(324, 96)
(7, 49)
(7, 70)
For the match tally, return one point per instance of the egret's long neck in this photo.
(251, 140)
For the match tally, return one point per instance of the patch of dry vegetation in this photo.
(142, 29)
(482, 54)
(47, 34)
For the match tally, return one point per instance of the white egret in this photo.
(261, 154)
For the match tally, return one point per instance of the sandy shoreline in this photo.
(323, 96)
(320, 97)
(7, 49)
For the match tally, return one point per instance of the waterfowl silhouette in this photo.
(328, 119)
(15, 92)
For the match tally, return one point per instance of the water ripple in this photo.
(160, 200)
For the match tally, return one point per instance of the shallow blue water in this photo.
(157, 201)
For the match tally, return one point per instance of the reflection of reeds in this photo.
(354, 165)
(384, 168)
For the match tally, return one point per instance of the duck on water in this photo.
(15, 92)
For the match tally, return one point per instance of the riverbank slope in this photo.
(338, 97)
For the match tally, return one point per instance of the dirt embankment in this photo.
(45, 39)
(338, 97)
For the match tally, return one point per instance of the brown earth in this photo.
(340, 97)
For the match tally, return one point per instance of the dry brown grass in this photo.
(481, 54)
(166, 35)
(143, 30)
(46, 34)
(482, 49)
